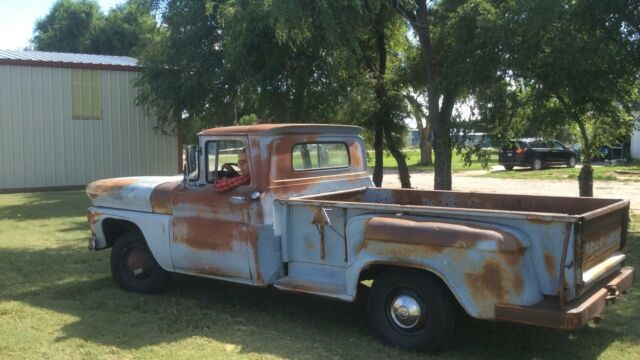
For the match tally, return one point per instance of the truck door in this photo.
(212, 230)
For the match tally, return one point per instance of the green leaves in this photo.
(81, 27)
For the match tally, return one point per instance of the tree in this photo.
(126, 30)
(81, 27)
(280, 61)
(459, 53)
(579, 62)
(363, 39)
(184, 80)
(70, 26)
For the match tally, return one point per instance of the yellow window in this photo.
(86, 94)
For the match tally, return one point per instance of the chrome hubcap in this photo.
(405, 312)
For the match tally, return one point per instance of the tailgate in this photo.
(601, 238)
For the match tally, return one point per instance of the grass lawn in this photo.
(413, 157)
(629, 172)
(57, 301)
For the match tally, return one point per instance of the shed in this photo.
(69, 119)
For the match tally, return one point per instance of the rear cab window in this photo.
(320, 156)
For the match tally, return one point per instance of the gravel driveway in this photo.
(469, 181)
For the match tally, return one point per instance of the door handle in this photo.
(237, 199)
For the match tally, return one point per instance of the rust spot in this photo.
(161, 197)
(406, 250)
(437, 234)
(269, 129)
(92, 217)
(488, 283)
(258, 277)
(537, 220)
(518, 284)
(513, 258)
(362, 246)
(197, 233)
(309, 244)
(550, 264)
(108, 186)
(356, 155)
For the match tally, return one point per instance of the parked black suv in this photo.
(536, 153)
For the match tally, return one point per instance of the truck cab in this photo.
(231, 235)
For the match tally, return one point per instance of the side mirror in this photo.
(191, 167)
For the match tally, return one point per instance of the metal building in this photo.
(68, 119)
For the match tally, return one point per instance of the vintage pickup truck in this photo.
(308, 220)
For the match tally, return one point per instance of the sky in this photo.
(17, 18)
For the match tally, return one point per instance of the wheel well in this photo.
(114, 228)
(368, 276)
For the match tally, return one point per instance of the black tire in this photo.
(508, 167)
(429, 332)
(133, 267)
(571, 162)
(536, 164)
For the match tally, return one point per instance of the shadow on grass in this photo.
(264, 321)
(46, 205)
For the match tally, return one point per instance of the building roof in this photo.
(274, 129)
(68, 60)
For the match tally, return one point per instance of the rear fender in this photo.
(483, 264)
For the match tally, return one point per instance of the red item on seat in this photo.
(229, 184)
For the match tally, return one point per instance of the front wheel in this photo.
(133, 267)
(411, 310)
(571, 162)
(508, 167)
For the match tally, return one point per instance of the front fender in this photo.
(154, 227)
(483, 264)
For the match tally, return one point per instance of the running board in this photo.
(322, 288)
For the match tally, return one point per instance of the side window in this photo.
(316, 156)
(538, 144)
(225, 159)
(557, 145)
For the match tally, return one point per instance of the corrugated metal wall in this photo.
(42, 146)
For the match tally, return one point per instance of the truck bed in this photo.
(583, 236)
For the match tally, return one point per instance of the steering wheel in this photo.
(231, 168)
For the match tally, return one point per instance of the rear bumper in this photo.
(574, 315)
(514, 161)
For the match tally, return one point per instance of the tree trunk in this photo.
(423, 130)
(403, 170)
(442, 144)
(379, 155)
(442, 173)
(585, 179)
(425, 147)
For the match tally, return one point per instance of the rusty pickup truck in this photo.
(305, 217)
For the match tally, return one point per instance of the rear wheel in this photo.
(411, 310)
(571, 162)
(536, 164)
(508, 167)
(133, 267)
